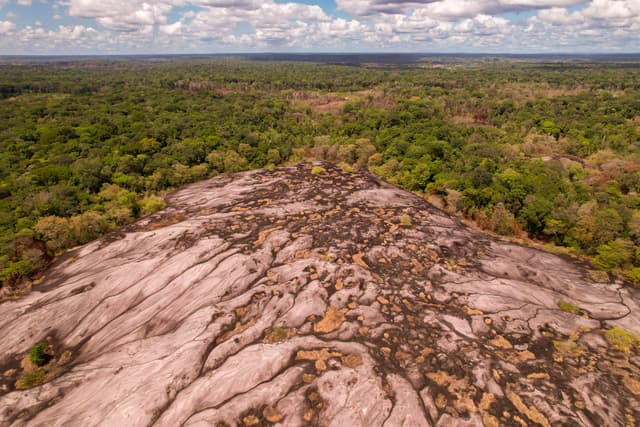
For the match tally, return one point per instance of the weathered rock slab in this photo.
(281, 297)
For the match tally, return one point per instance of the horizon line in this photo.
(578, 53)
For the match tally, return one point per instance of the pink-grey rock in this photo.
(206, 313)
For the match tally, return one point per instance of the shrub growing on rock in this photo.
(568, 307)
(621, 339)
(32, 379)
(38, 355)
(318, 170)
(405, 220)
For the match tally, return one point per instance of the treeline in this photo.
(524, 150)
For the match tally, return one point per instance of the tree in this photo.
(550, 128)
(216, 160)
(87, 227)
(364, 150)
(618, 253)
(234, 162)
(502, 221)
(608, 225)
(534, 214)
(120, 205)
(273, 156)
(151, 204)
(15, 270)
(88, 174)
(55, 231)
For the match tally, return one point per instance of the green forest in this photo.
(546, 152)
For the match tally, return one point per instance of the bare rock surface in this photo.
(281, 297)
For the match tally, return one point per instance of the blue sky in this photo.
(211, 26)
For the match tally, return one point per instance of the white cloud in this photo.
(476, 24)
(133, 15)
(449, 8)
(24, 2)
(613, 10)
(171, 29)
(598, 15)
(342, 28)
(415, 25)
(230, 4)
(555, 16)
(273, 22)
(70, 39)
(603, 25)
(6, 26)
(484, 25)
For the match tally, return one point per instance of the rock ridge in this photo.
(312, 296)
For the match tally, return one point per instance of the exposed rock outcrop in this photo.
(289, 298)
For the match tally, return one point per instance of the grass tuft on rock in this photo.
(32, 378)
(278, 334)
(38, 354)
(621, 339)
(318, 170)
(569, 307)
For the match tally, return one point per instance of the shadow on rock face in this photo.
(286, 297)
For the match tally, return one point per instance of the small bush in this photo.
(278, 334)
(318, 170)
(621, 339)
(38, 355)
(598, 276)
(15, 270)
(151, 204)
(568, 307)
(346, 167)
(405, 221)
(634, 275)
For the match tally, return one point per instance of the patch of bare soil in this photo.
(325, 103)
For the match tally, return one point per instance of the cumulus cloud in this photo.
(604, 25)
(398, 25)
(449, 8)
(131, 15)
(613, 10)
(234, 4)
(40, 38)
(273, 23)
(484, 25)
(6, 26)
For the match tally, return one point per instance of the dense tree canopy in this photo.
(546, 150)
